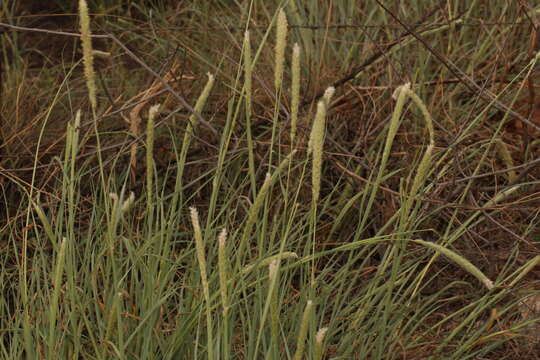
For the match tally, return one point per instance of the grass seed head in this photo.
(328, 93)
(223, 273)
(319, 338)
(88, 54)
(301, 342)
(315, 147)
(281, 42)
(295, 90)
(201, 101)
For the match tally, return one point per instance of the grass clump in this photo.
(324, 220)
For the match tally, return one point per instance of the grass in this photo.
(383, 220)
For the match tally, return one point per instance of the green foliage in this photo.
(254, 244)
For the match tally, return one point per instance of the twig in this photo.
(528, 167)
(46, 31)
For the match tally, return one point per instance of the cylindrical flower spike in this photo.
(281, 42)
(295, 90)
(88, 55)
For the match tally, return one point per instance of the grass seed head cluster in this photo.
(271, 272)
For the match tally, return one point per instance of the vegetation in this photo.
(269, 180)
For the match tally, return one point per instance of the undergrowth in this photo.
(175, 189)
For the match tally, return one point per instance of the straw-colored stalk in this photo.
(88, 54)
(304, 326)
(150, 152)
(223, 271)
(295, 90)
(319, 343)
(201, 258)
(281, 42)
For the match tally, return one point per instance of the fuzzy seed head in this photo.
(315, 146)
(150, 151)
(296, 50)
(113, 197)
(328, 93)
(201, 101)
(77, 120)
(320, 335)
(281, 41)
(222, 265)
(405, 87)
(88, 56)
(222, 237)
(295, 90)
(272, 268)
(488, 284)
(128, 202)
(195, 220)
(152, 112)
